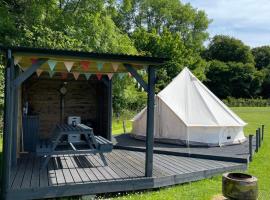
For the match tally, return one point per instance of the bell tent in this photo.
(187, 112)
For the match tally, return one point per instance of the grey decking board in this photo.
(127, 164)
(26, 182)
(35, 182)
(73, 171)
(60, 178)
(51, 174)
(20, 174)
(66, 172)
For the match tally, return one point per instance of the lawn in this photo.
(208, 188)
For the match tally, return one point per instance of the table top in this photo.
(70, 128)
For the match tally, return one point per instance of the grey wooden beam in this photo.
(25, 75)
(137, 76)
(150, 122)
(109, 88)
(7, 138)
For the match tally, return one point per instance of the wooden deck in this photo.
(234, 153)
(68, 175)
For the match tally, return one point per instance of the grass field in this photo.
(207, 189)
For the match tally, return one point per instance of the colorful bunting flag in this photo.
(39, 71)
(52, 64)
(99, 76)
(17, 59)
(76, 75)
(51, 73)
(64, 75)
(115, 66)
(68, 65)
(87, 75)
(110, 75)
(33, 60)
(99, 66)
(85, 65)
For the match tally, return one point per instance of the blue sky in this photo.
(248, 20)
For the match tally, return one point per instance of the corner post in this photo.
(250, 147)
(7, 130)
(150, 122)
(259, 132)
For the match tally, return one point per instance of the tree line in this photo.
(160, 28)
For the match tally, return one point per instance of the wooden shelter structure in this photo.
(91, 99)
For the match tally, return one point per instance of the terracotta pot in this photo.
(239, 186)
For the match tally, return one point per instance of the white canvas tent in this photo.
(187, 112)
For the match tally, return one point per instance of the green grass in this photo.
(208, 188)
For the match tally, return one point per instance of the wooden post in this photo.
(109, 88)
(257, 141)
(124, 126)
(250, 147)
(259, 133)
(150, 122)
(7, 134)
(262, 132)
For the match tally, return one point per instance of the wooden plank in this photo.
(73, 171)
(15, 171)
(35, 174)
(28, 173)
(58, 170)
(126, 164)
(44, 180)
(66, 171)
(20, 174)
(80, 169)
(51, 174)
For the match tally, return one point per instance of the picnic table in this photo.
(95, 144)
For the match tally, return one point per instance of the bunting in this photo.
(52, 64)
(64, 75)
(17, 59)
(99, 66)
(76, 75)
(39, 71)
(87, 75)
(85, 65)
(110, 75)
(33, 60)
(115, 66)
(68, 65)
(51, 73)
(99, 76)
(129, 74)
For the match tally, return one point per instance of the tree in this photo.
(228, 49)
(233, 79)
(261, 57)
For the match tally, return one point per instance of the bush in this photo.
(241, 102)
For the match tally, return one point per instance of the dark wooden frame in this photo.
(14, 80)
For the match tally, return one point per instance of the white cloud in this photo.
(248, 20)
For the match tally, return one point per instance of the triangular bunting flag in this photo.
(33, 60)
(64, 75)
(17, 59)
(110, 75)
(87, 75)
(68, 65)
(76, 75)
(51, 73)
(99, 66)
(39, 71)
(85, 65)
(115, 66)
(129, 74)
(99, 76)
(52, 64)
